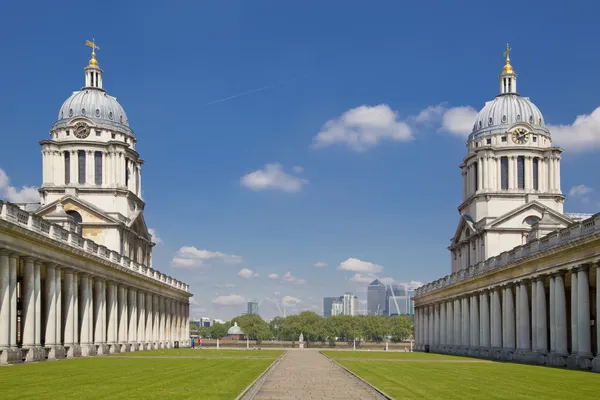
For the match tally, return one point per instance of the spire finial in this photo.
(94, 46)
(508, 69)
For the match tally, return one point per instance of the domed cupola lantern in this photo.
(508, 77)
(93, 72)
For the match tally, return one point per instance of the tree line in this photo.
(316, 328)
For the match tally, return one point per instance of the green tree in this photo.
(218, 331)
(254, 327)
(402, 327)
(276, 326)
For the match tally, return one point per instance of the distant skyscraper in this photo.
(376, 298)
(350, 304)
(253, 307)
(337, 307)
(327, 305)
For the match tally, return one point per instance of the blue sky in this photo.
(216, 91)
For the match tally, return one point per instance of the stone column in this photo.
(552, 300)
(69, 313)
(496, 321)
(149, 324)
(475, 330)
(541, 329)
(449, 323)
(163, 321)
(4, 301)
(141, 329)
(436, 324)
(426, 326)
(560, 313)
(28, 304)
(60, 349)
(524, 321)
(122, 315)
(574, 313)
(84, 314)
(583, 312)
(12, 279)
(50, 305)
(77, 347)
(443, 323)
(484, 312)
(156, 322)
(38, 303)
(533, 315)
(132, 318)
(111, 305)
(457, 323)
(99, 316)
(466, 319)
(509, 320)
(187, 321)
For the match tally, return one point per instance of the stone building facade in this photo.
(524, 277)
(76, 276)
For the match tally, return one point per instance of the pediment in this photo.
(90, 214)
(466, 227)
(139, 227)
(523, 217)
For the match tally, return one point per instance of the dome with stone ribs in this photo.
(96, 105)
(505, 110)
(235, 330)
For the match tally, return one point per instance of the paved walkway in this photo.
(307, 374)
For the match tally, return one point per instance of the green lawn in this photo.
(467, 380)
(203, 353)
(124, 378)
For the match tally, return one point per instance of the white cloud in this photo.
(360, 278)
(224, 285)
(363, 127)
(298, 169)
(189, 257)
(247, 273)
(582, 135)
(414, 284)
(273, 276)
(356, 265)
(289, 301)
(272, 176)
(387, 280)
(289, 278)
(229, 300)
(155, 238)
(581, 191)
(27, 194)
(430, 114)
(459, 120)
(320, 265)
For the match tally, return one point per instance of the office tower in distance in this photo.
(328, 304)
(376, 298)
(411, 302)
(337, 307)
(253, 307)
(350, 304)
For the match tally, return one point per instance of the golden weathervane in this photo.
(507, 51)
(94, 47)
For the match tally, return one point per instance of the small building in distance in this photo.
(234, 333)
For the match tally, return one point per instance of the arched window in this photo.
(78, 220)
(81, 162)
(504, 173)
(98, 167)
(67, 167)
(536, 165)
(521, 172)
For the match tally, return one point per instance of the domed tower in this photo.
(511, 176)
(90, 164)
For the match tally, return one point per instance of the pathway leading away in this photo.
(307, 374)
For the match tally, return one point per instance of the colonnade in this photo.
(52, 311)
(547, 319)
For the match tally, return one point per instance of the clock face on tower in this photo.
(520, 136)
(81, 130)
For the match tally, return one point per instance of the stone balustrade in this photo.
(13, 213)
